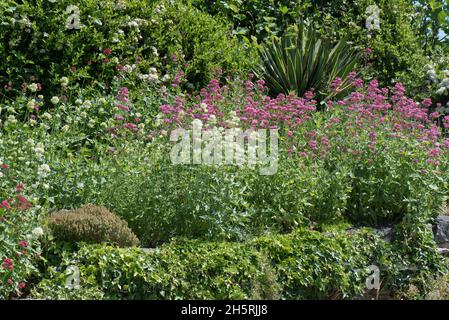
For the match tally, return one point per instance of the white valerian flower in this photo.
(43, 170)
(373, 17)
(203, 107)
(102, 100)
(91, 123)
(30, 105)
(80, 185)
(154, 51)
(64, 81)
(65, 128)
(441, 91)
(83, 114)
(55, 100)
(444, 83)
(39, 149)
(33, 87)
(133, 24)
(165, 78)
(12, 119)
(37, 232)
(47, 116)
(73, 20)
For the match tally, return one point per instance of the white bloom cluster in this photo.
(373, 17)
(73, 20)
(43, 170)
(443, 85)
(37, 232)
(152, 76)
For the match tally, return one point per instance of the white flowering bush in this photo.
(91, 42)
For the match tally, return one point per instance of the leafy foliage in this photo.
(301, 61)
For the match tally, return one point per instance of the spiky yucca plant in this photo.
(302, 60)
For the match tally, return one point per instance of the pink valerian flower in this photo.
(434, 153)
(20, 187)
(446, 143)
(336, 84)
(107, 51)
(312, 144)
(177, 79)
(22, 203)
(23, 244)
(261, 85)
(9, 281)
(8, 264)
(434, 115)
(427, 102)
(130, 126)
(325, 141)
(5, 205)
(22, 285)
(119, 117)
(123, 95)
(446, 122)
(367, 52)
(123, 107)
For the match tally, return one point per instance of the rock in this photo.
(386, 233)
(441, 231)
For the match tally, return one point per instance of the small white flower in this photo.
(37, 232)
(12, 119)
(64, 81)
(47, 116)
(33, 87)
(30, 105)
(43, 170)
(55, 100)
(80, 185)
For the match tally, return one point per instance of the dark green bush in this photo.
(395, 46)
(37, 47)
(302, 265)
(91, 224)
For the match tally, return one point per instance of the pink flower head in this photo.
(8, 264)
(123, 107)
(23, 244)
(20, 187)
(22, 285)
(427, 102)
(5, 205)
(368, 51)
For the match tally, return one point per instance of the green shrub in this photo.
(302, 265)
(395, 47)
(92, 224)
(39, 45)
(303, 60)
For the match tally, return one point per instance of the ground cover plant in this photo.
(115, 123)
